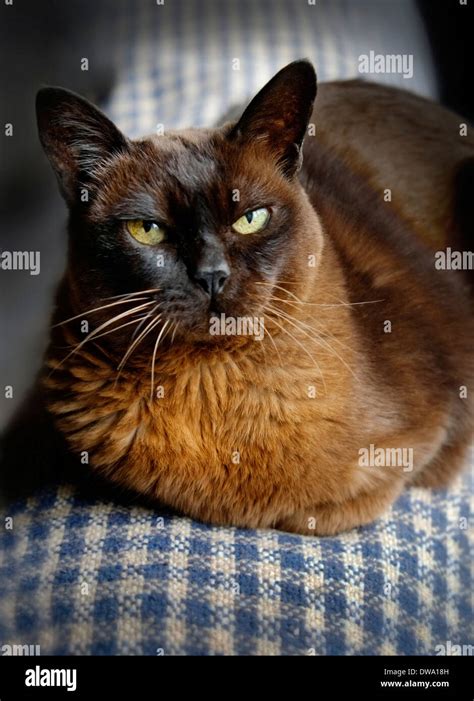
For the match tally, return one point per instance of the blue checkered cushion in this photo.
(91, 577)
(82, 576)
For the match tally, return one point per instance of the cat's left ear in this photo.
(279, 114)
(76, 137)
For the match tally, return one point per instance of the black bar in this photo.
(148, 677)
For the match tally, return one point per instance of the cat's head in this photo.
(207, 221)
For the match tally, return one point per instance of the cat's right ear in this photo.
(76, 137)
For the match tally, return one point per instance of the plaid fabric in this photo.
(177, 62)
(91, 577)
(82, 576)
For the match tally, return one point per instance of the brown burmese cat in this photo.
(365, 342)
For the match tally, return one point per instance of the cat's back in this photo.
(417, 155)
(382, 172)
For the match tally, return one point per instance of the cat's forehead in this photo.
(180, 150)
(189, 156)
(178, 167)
(185, 162)
(181, 139)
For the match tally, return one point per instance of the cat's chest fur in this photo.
(219, 403)
(214, 431)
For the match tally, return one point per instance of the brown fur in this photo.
(298, 465)
(403, 142)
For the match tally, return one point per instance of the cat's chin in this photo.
(202, 336)
(214, 329)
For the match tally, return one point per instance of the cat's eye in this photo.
(252, 221)
(147, 232)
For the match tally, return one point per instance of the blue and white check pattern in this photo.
(92, 577)
(88, 576)
(184, 63)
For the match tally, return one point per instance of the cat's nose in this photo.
(212, 281)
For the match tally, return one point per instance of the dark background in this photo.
(450, 31)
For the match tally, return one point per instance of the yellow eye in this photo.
(148, 232)
(251, 222)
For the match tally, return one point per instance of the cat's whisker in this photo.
(136, 342)
(273, 343)
(277, 282)
(320, 341)
(283, 289)
(319, 338)
(97, 309)
(94, 334)
(318, 330)
(323, 333)
(296, 322)
(130, 294)
(150, 313)
(174, 332)
(160, 335)
(264, 351)
(317, 304)
(316, 364)
(153, 323)
(117, 317)
(266, 330)
(116, 328)
(297, 300)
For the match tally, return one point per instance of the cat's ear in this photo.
(279, 114)
(76, 137)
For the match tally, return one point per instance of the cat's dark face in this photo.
(207, 221)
